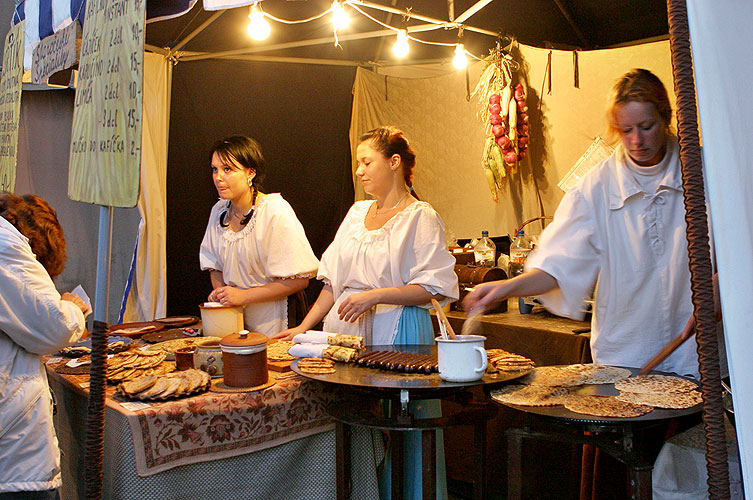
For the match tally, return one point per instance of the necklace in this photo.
(384, 211)
(244, 218)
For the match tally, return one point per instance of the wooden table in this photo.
(365, 387)
(548, 340)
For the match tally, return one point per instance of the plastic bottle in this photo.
(485, 251)
(520, 246)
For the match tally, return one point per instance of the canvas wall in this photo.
(444, 129)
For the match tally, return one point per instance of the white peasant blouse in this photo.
(272, 246)
(410, 249)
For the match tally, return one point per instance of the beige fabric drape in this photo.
(147, 297)
(448, 137)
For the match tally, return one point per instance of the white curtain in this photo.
(444, 128)
(722, 61)
(146, 287)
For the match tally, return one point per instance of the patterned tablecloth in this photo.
(212, 426)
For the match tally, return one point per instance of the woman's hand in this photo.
(355, 305)
(288, 334)
(72, 297)
(484, 296)
(227, 296)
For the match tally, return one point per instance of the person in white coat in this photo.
(34, 320)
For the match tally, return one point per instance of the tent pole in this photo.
(104, 248)
(471, 10)
(198, 30)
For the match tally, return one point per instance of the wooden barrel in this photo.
(471, 275)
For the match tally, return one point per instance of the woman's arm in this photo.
(408, 295)
(321, 307)
(278, 289)
(484, 296)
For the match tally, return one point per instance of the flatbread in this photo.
(600, 374)
(553, 376)
(605, 406)
(352, 341)
(339, 353)
(531, 395)
(170, 346)
(316, 365)
(655, 384)
(675, 401)
(504, 361)
(278, 351)
(134, 330)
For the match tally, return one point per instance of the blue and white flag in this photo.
(45, 17)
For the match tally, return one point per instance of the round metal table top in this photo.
(351, 374)
(563, 414)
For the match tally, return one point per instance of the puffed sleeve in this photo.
(288, 252)
(425, 259)
(209, 257)
(32, 313)
(570, 251)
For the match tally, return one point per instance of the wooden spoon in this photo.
(443, 318)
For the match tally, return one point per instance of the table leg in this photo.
(514, 464)
(640, 484)
(479, 465)
(429, 464)
(397, 464)
(342, 455)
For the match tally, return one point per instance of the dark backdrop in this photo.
(299, 113)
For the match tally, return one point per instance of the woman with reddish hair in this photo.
(34, 320)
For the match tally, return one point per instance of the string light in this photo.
(460, 61)
(401, 47)
(340, 18)
(258, 27)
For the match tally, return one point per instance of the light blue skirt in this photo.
(415, 328)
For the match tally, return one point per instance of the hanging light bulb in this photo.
(340, 18)
(258, 27)
(401, 47)
(459, 60)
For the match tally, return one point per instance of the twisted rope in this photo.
(95, 414)
(698, 249)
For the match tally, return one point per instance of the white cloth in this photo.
(607, 228)
(271, 246)
(312, 337)
(33, 321)
(410, 249)
(307, 350)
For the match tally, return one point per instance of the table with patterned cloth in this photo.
(269, 444)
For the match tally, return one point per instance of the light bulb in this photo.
(340, 18)
(258, 27)
(401, 47)
(459, 60)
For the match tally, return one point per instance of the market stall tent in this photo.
(311, 155)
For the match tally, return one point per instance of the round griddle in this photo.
(563, 414)
(352, 375)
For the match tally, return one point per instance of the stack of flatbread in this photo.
(170, 346)
(134, 330)
(316, 366)
(161, 387)
(504, 361)
(660, 391)
(278, 351)
(135, 363)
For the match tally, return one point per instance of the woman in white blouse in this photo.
(622, 226)
(254, 246)
(389, 257)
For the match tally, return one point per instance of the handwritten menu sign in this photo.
(10, 104)
(105, 152)
(55, 53)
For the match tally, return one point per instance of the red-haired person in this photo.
(34, 320)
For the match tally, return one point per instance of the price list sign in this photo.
(105, 150)
(10, 104)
